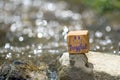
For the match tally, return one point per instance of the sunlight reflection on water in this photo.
(32, 27)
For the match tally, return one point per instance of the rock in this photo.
(81, 61)
(65, 60)
(38, 76)
(75, 67)
(106, 66)
(19, 70)
(105, 63)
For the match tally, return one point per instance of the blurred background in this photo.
(31, 27)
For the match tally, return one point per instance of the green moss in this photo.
(100, 6)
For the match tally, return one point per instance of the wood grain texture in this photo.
(78, 41)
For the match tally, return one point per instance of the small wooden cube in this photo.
(78, 41)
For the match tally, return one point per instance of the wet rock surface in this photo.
(44, 69)
(89, 66)
(19, 70)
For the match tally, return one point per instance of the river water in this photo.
(29, 28)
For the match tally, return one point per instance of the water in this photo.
(29, 28)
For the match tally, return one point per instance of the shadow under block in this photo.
(78, 41)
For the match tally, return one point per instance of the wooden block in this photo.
(78, 41)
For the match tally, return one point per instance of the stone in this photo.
(19, 70)
(78, 41)
(75, 67)
(105, 62)
(65, 60)
(81, 61)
